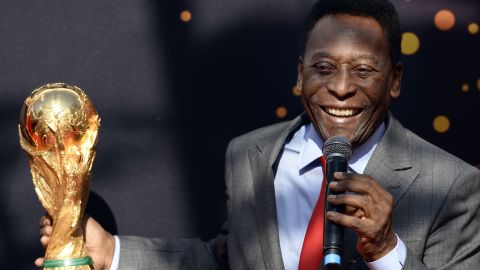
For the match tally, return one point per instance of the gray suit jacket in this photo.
(436, 208)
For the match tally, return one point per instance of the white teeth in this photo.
(340, 112)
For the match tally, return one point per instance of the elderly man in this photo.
(409, 204)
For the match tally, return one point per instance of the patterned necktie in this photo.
(312, 249)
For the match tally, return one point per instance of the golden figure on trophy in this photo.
(58, 131)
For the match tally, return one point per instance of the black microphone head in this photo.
(338, 146)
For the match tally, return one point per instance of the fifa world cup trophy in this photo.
(58, 131)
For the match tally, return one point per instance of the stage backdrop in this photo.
(174, 81)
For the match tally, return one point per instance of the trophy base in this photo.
(82, 263)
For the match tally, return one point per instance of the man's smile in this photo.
(341, 112)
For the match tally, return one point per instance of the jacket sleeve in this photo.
(151, 253)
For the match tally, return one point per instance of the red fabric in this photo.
(312, 249)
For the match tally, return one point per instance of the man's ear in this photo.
(396, 80)
(300, 74)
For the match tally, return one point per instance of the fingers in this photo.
(45, 221)
(39, 262)
(368, 200)
(359, 206)
(355, 219)
(352, 182)
(44, 241)
(355, 223)
(367, 228)
(46, 231)
(362, 184)
(356, 201)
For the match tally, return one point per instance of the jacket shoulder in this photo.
(262, 133)
(265, 135)
(434, 156)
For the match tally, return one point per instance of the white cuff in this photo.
(116, 254)
(394, 260)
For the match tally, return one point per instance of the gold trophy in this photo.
(58, 131)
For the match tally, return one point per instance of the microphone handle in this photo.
(333, 233)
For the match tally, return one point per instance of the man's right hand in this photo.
(100, 243)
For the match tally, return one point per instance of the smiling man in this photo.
(347, 76)
(410, 205)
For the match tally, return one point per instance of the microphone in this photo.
(337, 150)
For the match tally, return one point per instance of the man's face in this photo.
(347, 78)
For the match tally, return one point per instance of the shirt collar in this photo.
(362, 154)
(309, 145)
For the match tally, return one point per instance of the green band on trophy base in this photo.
(67, 262)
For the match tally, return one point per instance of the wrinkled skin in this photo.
(346, 65)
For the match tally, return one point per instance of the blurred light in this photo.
(410, 43)
(465, 87)
(296, 91)
(473, 28)
(478, 84)
(281, 112)
(441, 124)
(186, 16)
(444, 19)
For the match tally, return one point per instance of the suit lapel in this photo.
(262, 159)
(391, 163)
(391, 166)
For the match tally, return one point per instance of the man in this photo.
(409, 204)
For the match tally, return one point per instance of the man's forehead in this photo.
(348, 24)
(346, 30)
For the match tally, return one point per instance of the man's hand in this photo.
(368, 213)
(100, 243)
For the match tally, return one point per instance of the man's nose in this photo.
(341, 84)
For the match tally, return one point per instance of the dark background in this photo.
(172, 94)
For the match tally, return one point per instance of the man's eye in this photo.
(364, 71)
(325, 68)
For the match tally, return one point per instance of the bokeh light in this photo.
(281, 112)
(296, 91)
(444, 19)
(465, 87)
(473, 28)
(410, 43)
(478, 84)
(186, 16)
(441, 124)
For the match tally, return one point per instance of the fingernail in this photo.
(333, 183)
(330, 214)
(331, 197)
(47, 222)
